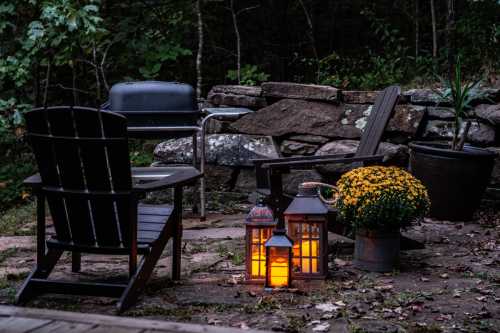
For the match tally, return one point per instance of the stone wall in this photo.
(318, 120)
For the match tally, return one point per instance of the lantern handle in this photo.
(318, 186)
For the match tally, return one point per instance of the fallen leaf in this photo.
(444, 276)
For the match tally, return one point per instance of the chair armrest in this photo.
(35, 181)
(181, 178)
(328, 160)
(261, 161)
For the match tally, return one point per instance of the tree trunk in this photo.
(434, 33)
(417, 28)
(450, 33)
(238, 41)
(47, 82)
(199, 55)
(36, 84)
(97, 79)
(74, 78)
(311, 37)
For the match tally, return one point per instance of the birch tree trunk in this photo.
(238, 41)
(199, 56)
(434, 33)
(311, 37)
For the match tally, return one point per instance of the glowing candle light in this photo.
(259, 225)
(306, 219)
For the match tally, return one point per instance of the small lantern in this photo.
(278, 260)
(259, 227)
(306, 220)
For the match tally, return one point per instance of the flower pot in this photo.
(455, 180)
(376, 251)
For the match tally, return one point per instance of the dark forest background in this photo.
(71, 52)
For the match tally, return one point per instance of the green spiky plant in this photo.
(459, 93)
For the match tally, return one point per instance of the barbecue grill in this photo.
(165, 110)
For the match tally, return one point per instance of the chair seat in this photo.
(150, 222)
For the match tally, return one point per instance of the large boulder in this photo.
(293, 116)
(479, 133)
(395, 155)
(235, 150)
(300, 91)
(290, 147)
(406, 119)
(298, 117)
(490, 113)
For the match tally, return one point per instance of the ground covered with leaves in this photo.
(450, 286)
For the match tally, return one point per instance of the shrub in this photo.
(381, 198)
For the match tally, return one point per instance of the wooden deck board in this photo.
(20, 320)
(21, 324)
(63, 327)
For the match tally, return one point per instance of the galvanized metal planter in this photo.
(455, 180)
(377, 251)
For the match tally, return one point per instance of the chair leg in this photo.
(138, 281)
(76, 262)
(276, 197)
(177, 236)
(176, 253)
(41, 271)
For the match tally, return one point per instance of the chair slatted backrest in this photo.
(83, 160)
(382, 110)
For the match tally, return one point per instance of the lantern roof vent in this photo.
(260, 214)
(307, 201)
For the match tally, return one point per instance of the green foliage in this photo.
(250, 75)
(459, 94)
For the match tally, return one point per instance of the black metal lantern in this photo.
(259, 226)
(279, 260)
(306, 219)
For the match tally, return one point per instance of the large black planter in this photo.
(455, 180)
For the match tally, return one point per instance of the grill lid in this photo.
(152, 96)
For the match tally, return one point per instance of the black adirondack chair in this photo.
(86, 179)
(269, 171)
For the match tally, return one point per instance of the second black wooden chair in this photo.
(269, 171)
(85, 177)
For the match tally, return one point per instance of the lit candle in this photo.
(279, 272)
